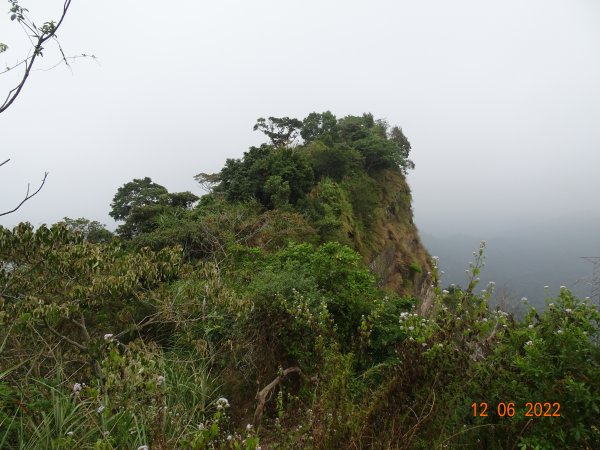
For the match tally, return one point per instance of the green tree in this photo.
(378, 152)
(333, 161)
(353, 128)
(321, 126)
(135, 194)
(249, 177)
(91, 230)
(183, 200)
(282, 131)
(397, 136)
(141, 202)
(278, 191)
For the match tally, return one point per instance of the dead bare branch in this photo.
(65, 338)
(27, 195)
(262, 395)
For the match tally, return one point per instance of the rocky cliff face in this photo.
(391, 245)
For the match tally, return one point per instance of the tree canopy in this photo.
(140, 202)
(278, 173)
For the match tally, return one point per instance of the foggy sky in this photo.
(500, 100)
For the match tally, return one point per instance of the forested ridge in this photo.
(291, 306)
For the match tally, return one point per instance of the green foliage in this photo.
(216, 227)
(58, 286)
(363, 193)
(108, 345)
(316, 287)
(330, 211)
(135, 194)
(379, 152)
(463, 353)
(403, 148)
(141, 202)
(268, 174)
(276, 174)
(282, 131)
(335, 161)
(91, 230)
(552, 358)
(321, 126)
(355, 128)
(278, 191)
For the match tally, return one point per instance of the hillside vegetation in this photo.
(293, 306)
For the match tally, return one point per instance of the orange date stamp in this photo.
(508, 409)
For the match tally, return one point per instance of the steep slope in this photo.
(373, 214)
(392, 247)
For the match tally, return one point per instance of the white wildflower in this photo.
(76, 388)
(411, 328)
(201, 426)
(249, 427)
(143, 447)
(424, 344)
(160, 380)
(562, 287)
(229, 437)
(222, 403)
(568, 310)
(524, 299)
(559, 331)
(108, 337)
(440, 345)
(445, 292)
(69, 433)
(530, 326)
(100, 409)
(546, 287)
(529, 343)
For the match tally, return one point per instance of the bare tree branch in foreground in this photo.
(40, 36)
(27, 194)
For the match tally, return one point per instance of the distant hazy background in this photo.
(500, 100)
